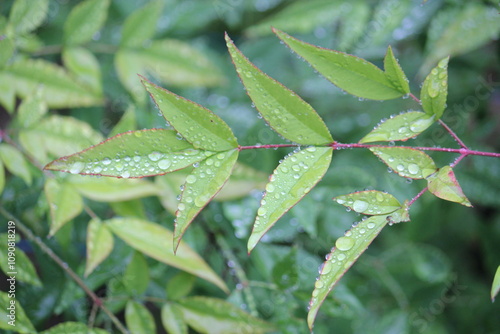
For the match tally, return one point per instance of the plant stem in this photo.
(64, 266)
(453, 134)
(252, 147)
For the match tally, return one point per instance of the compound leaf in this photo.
(99, 244)
(64, 202)
(196, 124)
(444, 185)
(84, 20)
(435, 90)
(286, 112)
(138, 318)
(27, 15)
(132, 154)
(400, 127)
(200, 187)
(369, 202)
(346, 251)
(395, 73)
(352, 74)
(156, 242)
(140, 26)
(406, 162)
(295, 176)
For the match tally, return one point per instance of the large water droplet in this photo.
(413, 168)
(359, 205)
(270, 187)
(344, 243)
(106, 161)
(191, 179)
(164, 164)
(261, 211)
(77, 167)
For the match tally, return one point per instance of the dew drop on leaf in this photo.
(359, 205)
(77, 167)
(164, 164)
(191, 179)
(344, 243)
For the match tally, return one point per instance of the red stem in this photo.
(453, 134)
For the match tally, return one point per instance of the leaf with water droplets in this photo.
(435, 90)
(84, 20)
(352, 74)
(285, 111)
(369, 202)
(132, 154)
(64, 203)
(196, 124)
(200, 187)
(406, 162)
(140, 26)
(495, 287)
(295, 176)
(156, 241)
(395, 73)
(346, 251)
(400, 127)
(99, 244)
(444, 185)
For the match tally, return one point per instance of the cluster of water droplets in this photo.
(369, 202)
(412, 164)
(438, 82)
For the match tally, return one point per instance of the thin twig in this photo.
(453, 134)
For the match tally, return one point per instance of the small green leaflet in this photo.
(400, 127)
(406, 162)
(138, 318)
(295, 176)
(31, 110)
(200, 187)
(444, 185)
(369, 202)
(346, 251)
(395, 73)
(495, 287)
(140, 26)
(84, 66)
(15, 162)
(25, 270)
(64, 202)
(435, 90)
(286, 112)
(156, 241)
(352, 74)
(173, 319)
(133, 154)
(84, 20)
(136, 276)
(99, 244)
(196, 124)
(27, 15)
(22, 322)
(73, 327)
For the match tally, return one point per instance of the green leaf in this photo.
(127, 122)
(286, 112)
(60, 90)
(23, 268)
(156, 242)
(295, 176)
(84, 66)
(2, 177)
(352, 74)
(172, 61)
(201, 186)
(140, 26)
(112, 190)
(216, 316)
(495, 287)
(196, 124)
(132, 154)
(346, 251)
(400, 127)
(15, 162)
(435, 90)
(64, 203)
(99, 244)
(173, 319)
(354, 21)
(395, 73)
(7, 94)
(136, 276)
(406, 162)
(138, 318)
(27, 15)
(444, 185)
(299, 17)
(74, 328)
(369, 202)
(180, 285)
(454, 31)
(285, 274)
(84, 20)
(18, 320)
(30, 111)
(7, 48)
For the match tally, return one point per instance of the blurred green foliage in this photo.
(69, 80)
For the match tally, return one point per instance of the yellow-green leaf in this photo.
(31, 110)
(395, 73)
(15, 162)
(435, 90)
(99, 244)
(64, 203)
(138, 318)
(173, 319)
(84, 20)
(407, 162)
(27, 15)
(22, 266)
(140, 26)
(12, 315)
(369, 202)
(495, 287)
(84, 66)
(444, 185)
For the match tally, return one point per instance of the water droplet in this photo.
(400, 167)
(106, 161)
(327, 267)
(344, 243)
(311, 149)
(181, 207)
(154, 156)
(319, 284)
(359, 205)
(209, 162)
(341, 257)
(262, 211)
(270, 187)
(164, 164)
(125, 175)
(97, 169)
(370, 225)
(137, 158)
(340, 201)
(191, 179)
(77, 167)
(413, 168)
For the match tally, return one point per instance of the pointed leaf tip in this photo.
(444, 185)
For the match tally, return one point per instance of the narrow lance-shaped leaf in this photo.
(157, 242)
(84, 20)
(400, 127)
(495, 287)
(395, 73)
(346, 251)
(286, 112)
(406, 162)
(435, 90)
(352, 74)
(295, 176)
(196, 124)
(64, 203)
(132, 154)
(444, 185)
(201, 186)
(99, 244)
(138, 318)
(369, 202)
